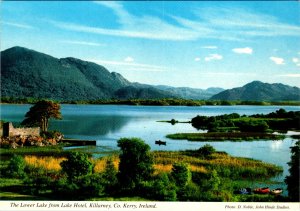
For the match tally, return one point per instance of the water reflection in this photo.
(90, 126)
(276, 145)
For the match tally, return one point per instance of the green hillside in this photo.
(27, 73)
(259, 91)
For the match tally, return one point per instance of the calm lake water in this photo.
(108, 123)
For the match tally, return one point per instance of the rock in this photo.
(13, 145)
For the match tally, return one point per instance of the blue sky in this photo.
(179, 43)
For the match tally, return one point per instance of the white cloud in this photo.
(230, 74)
(245, 50)
(246, 23)
(210, 47)
(277, 60)
(213, 57)
(18, 25)
(74, 42)
(292, 75)
(197, 59)
(157, 31)
(130, 65)
(128, 59)
(295, 60)
(218, 23)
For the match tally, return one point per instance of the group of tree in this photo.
(40, 113)
(152, 102)
(279, 120)
(135, 176)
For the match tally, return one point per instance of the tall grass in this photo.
(49, 163)
(100, 164)
(225, 165)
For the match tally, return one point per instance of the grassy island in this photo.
(235, 127)
(225, 136)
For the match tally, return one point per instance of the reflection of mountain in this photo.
(90, 126)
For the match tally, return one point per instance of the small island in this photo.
(235, 127)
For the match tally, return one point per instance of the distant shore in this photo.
(155, 102)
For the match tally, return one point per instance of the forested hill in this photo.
(259, 91)
(27, 73)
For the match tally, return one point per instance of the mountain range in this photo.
(28, 73)
(259, 91)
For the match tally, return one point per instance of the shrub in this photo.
(181, 174)
(253, 126)
(161, 188)
(191, 192)
(77, 165)
(16, 167)
(110, 176)
(136, 163)
(292, 180)
(91, 186)
(206, 151)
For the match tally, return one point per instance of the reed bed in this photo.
(46, 162)
(225, 165)
(100, 164)
(163, 161)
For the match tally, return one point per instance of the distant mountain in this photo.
(259, 91)
(142, 92)
(28, 73)
(191, 93)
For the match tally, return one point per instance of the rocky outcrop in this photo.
(20, 141)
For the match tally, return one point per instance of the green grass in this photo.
(134, 198)
(38, 151)
(12, 189)
(224, 136)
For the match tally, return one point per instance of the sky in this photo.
(197, 44)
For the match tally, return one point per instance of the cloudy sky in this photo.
(196, 44)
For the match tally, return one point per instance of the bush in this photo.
(292, 180)
(191, 192)
(161, 188)
(253, 126)
(206, 151)
(110, 177)
(77, 165)
(91, 186)
(136, 163)
(16, 167)
(181, 174)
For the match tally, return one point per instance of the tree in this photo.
(292, 180)
(110, 176)
(206, 151)
(77, 165)
(40, 113)
(181, 174)
(136, 162)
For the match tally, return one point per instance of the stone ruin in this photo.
(12, 137)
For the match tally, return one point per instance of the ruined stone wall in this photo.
(9, 130)
(1, 128)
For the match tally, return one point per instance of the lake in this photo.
(108, 123)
